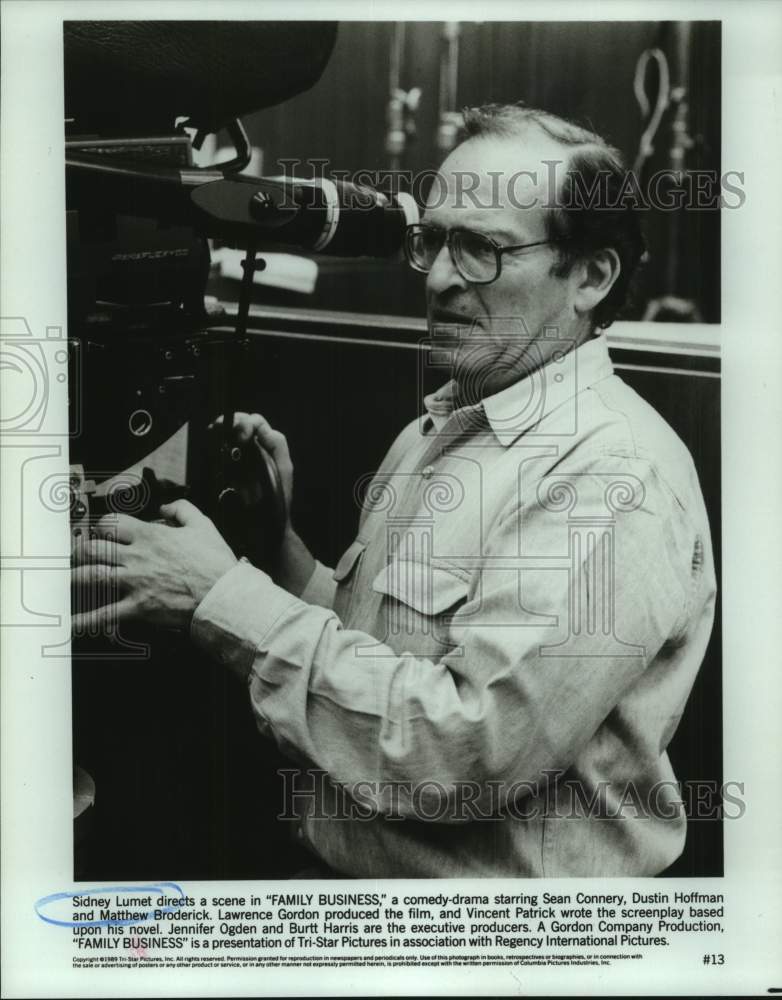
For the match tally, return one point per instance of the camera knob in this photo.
(261, 204)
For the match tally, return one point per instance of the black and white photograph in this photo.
(483, 649)
(389, 428)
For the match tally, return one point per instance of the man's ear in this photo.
(597, 275)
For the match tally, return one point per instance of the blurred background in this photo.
(389, 99)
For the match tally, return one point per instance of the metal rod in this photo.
(249, 265)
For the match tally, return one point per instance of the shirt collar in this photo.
(525, 403)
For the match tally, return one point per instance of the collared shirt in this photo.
(487, 683)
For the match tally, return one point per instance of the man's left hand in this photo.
(160, 572)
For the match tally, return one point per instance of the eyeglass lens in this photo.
(473, 254)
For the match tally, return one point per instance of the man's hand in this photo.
(250, 425)
(296, 563)
(160, 572)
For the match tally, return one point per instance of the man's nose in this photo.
(443, 274)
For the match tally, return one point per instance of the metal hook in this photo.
(645, 145)
(242, 148)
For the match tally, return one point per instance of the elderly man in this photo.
(487, 682)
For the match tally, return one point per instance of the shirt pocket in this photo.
(346, 574)
(418, 602)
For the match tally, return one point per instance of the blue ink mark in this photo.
(136, 890)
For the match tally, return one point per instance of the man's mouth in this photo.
(446, 317)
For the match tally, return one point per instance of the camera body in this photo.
(155, 364)
(148, 364)
(141, 352)
(139, 217)
(135, 309)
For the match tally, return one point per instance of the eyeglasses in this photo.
(476, 257)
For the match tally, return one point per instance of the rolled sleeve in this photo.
(321, 587)
(232, 620)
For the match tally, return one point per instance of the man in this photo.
(487, 682)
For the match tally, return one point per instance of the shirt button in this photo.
(428, 471)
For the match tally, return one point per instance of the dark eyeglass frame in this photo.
(418, 227)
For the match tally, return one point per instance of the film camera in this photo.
(139, 218)
(152, 358)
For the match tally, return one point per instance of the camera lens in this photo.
(319, 215)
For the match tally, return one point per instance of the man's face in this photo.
(517, 322)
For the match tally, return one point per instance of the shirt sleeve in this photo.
(559, 623)
(321, 587)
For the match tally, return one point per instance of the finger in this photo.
(252, 421)
(275, 443)
(96, 577)
(103, 620)
(182, 512)
(93, 587)
(244, 426)
(95, 550)
(119, 527)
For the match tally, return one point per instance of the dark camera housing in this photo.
(138, 257)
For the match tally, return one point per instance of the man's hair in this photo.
(588, 209)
